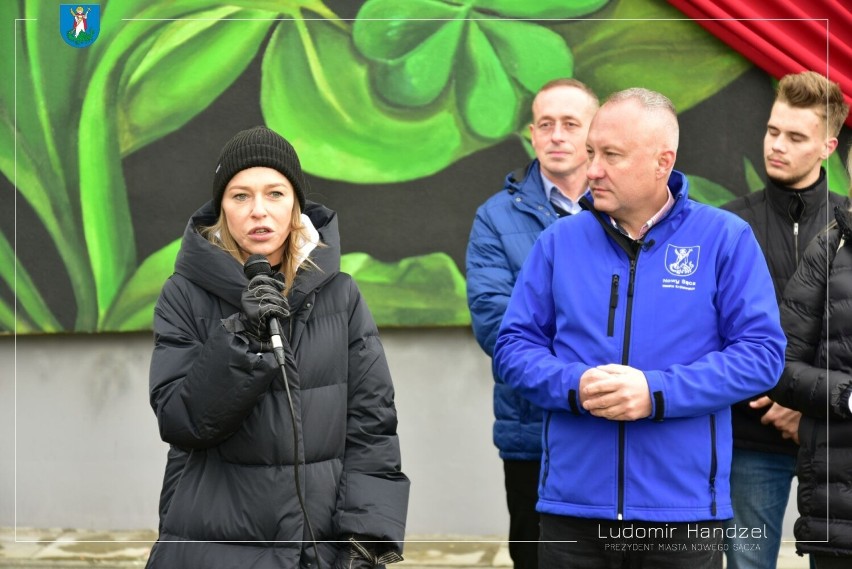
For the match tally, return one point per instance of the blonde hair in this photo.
(219, 235)
(810, 90)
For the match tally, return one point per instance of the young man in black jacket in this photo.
(795, 205)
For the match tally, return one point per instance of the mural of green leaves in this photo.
(422, 49)
(403, 91)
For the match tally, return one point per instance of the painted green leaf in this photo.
(418, 78)
(838, 177)
(40, 82)
(387, 30)
(57, 75)
(8, 324)
(59, 86)
(532, 54)
(421, 49)
(107, 225)
(178, 57)
(753, 180)
(427, 290)
(183, 68)
(316, 92)
(627, 50)
(31, 80)
(16, 277)
(293, 8)
(133, 308)
(706, 191)
(7, 71)
(540, 8)
(487, 99)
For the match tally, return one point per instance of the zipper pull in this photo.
(796, 241)
(632, 278)
(613, 304)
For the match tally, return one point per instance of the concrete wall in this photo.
(80, 446)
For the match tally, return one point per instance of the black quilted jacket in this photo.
(784, 222)
(229, 495)
(817, 380)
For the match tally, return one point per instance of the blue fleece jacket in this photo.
(694, 309)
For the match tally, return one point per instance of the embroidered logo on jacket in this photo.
(682, 261)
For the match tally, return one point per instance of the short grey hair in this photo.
(654, 102)
(651, 100)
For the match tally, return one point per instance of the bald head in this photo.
(658, 116)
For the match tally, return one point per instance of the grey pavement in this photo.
(56, 548)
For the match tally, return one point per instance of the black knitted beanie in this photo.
(258, 146)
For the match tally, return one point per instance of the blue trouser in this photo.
(760, 489)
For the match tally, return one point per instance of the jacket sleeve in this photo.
(489, 280)
(373, 500)
(803, 385)
(523, 353)
(201, 386)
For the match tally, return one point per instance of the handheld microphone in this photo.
(259, 265)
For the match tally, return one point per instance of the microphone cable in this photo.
(296, 461)
(259, 265)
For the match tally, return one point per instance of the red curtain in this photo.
(783, 36)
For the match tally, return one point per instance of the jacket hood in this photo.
(215, 271)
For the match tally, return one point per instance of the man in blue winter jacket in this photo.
(635, 325)
(504, 230)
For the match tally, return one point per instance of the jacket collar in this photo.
(527, 183)
(678, 186)
(797, 204)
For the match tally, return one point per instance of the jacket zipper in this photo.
(713, 465)
(625, 357)
(613, 304)
(796, 241)
(546, 449)
(632, 249)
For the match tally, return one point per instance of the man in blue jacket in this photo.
(635, 325)
(504, 230)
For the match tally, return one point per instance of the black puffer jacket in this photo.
(817, 381)
(223, 409)
(784, 222)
